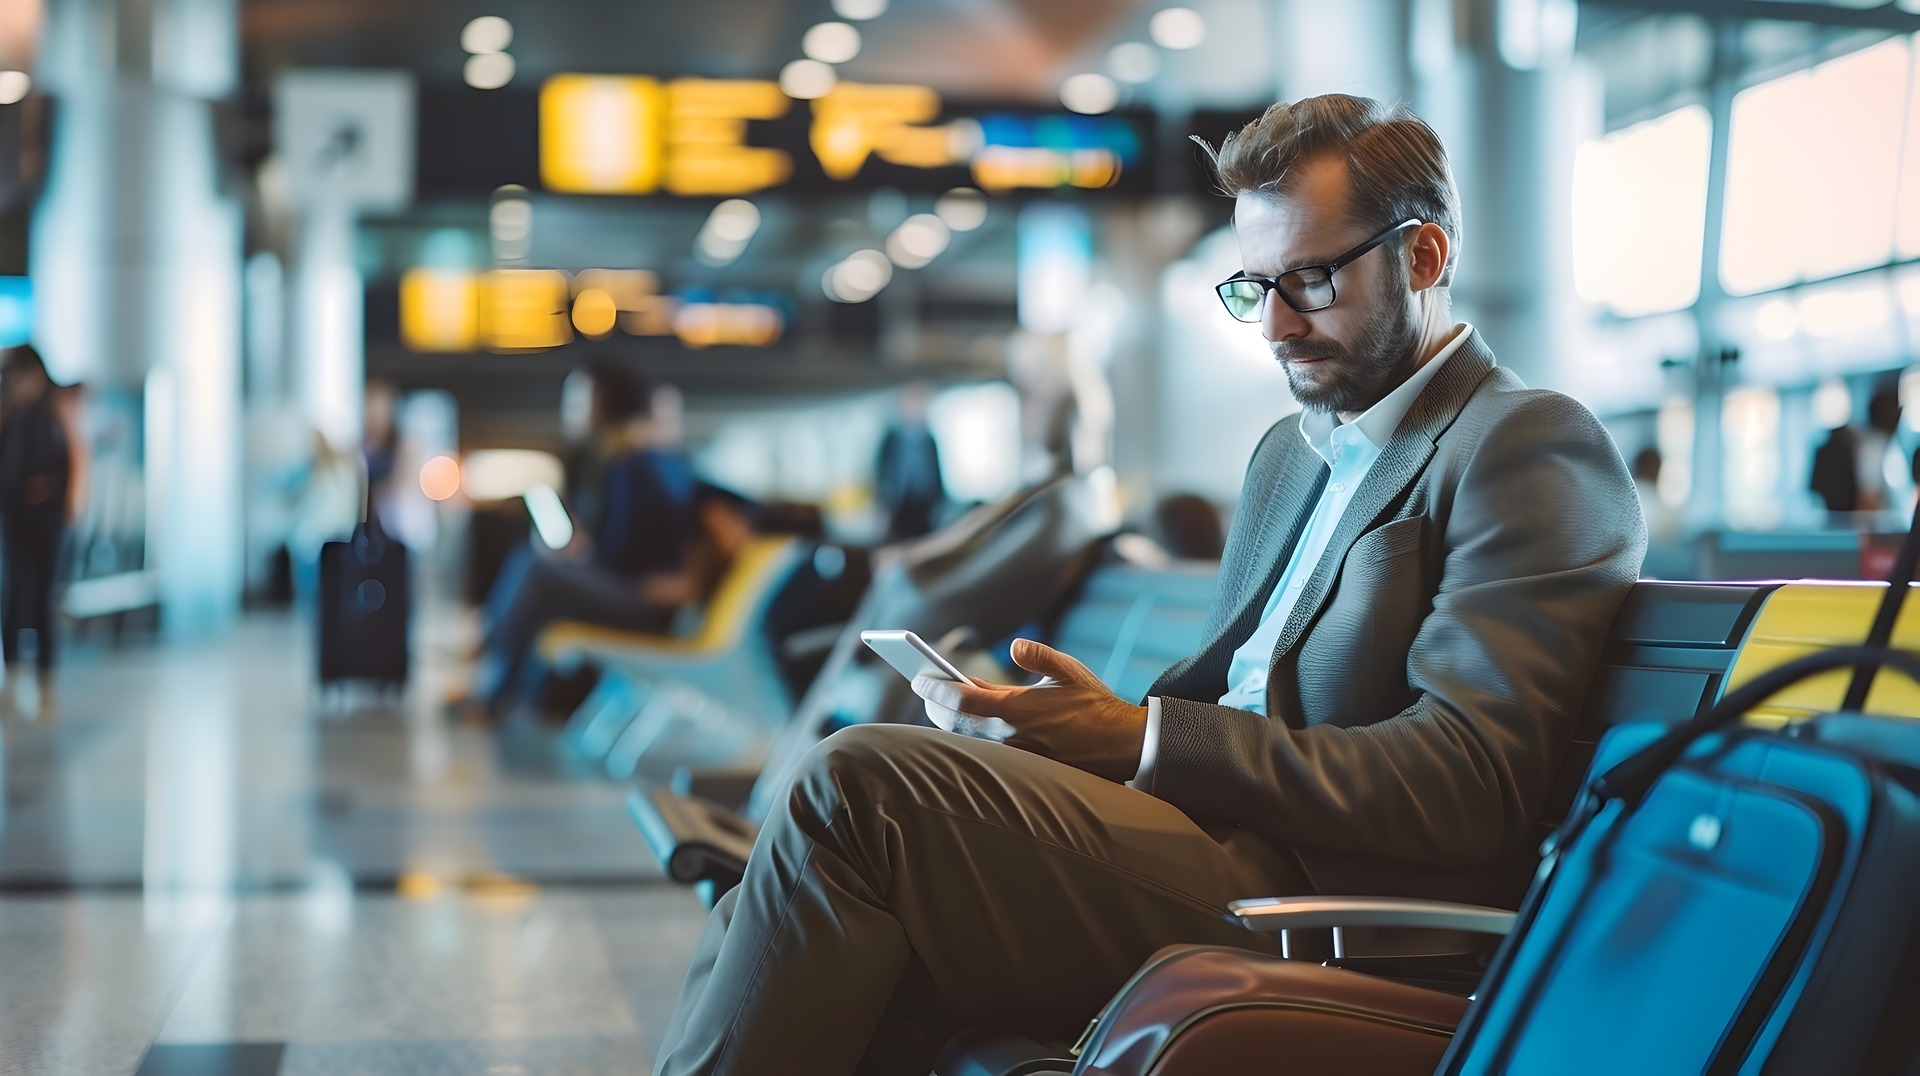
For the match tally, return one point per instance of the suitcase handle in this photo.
(1630, 779)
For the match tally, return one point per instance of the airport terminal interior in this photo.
(450, 451)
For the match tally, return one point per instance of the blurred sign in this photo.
(513, 310)
(440, 310)
(347, 137)
(602, 134)
(16, 310)
(525, 309)
(853, 122)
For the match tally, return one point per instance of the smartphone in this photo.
(912, 656)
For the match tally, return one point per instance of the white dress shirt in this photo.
(1350, 444)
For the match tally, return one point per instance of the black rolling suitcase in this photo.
(1727, 899)
(364, 603)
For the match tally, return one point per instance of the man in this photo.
(907, 474)
(630, 569)
(1411, 605)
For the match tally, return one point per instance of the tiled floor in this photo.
(196, 855)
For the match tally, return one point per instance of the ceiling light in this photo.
(489, 70)
(858, 277)
(1090, 93)
(728, 230)
(859, 9)
(1133, 62)
(831, 43)
(488, 33)
(735, 219)
(807, 79)
(919, 239)
(962, 208)
(14, 86)
(1177, 28)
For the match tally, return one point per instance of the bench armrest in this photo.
(1269, 914)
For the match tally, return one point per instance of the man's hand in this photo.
(1070, 716)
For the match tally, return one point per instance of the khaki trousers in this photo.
(915, 882)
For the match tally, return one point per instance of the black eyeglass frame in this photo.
(1272, 284)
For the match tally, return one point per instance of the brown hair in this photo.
(1396, 163)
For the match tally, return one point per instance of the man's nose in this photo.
(1279, 322)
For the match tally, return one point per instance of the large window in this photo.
(1813, 171)
(1639, 214)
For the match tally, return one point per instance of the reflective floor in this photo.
(205, 870)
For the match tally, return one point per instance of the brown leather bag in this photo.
(1202, 1009)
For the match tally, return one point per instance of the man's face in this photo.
(1349, 355)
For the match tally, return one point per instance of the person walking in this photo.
(36, 480)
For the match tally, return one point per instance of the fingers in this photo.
(1045, 660)
(965, 698)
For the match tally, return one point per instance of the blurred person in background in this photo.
(907, 482)
(1667, 556)
(629, 569)
(1850, 472)
(380, 444)
(39, 461)
(1188, 526)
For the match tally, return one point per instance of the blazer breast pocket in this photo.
(1403, 538)
(1353, 662)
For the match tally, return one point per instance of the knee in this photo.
(854, 768)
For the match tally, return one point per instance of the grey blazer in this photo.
(1423, 692)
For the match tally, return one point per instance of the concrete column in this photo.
(136, 264)
(1496, 80)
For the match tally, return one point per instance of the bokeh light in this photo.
(807, 79)
(440, 478)
(594, 313)
(962, 208)
(1177, 28)
(859, 9)
(1090, 93)
(831, 43)
(489, 70)
(488, 33)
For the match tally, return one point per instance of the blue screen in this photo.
(16, 310)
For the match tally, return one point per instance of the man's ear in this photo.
(1427, 256)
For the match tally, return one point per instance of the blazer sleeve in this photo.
(1540, 544)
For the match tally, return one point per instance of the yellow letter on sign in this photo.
(708, 152)
(602, 134)
(856, 121)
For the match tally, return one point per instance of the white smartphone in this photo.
(911, 656)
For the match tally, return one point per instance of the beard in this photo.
(1358, 374)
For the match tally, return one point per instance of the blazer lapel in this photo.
(1286, 499)
(1400, 463)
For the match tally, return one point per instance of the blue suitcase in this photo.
(1725, 899)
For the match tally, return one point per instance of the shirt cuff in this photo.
(1149, 748)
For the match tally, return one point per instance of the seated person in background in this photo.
(631, 569)
(1411, 607)
(1189, 527)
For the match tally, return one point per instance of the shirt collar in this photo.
(1378, 423)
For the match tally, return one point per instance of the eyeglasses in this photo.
(1306, 289)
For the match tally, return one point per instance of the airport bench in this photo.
(726, 673)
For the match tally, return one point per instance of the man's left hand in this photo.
(1069, 717)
